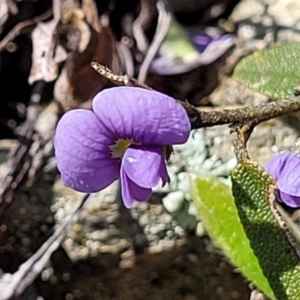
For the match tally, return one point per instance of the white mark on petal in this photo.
(131, 159)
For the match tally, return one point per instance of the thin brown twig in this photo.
(13, 285)
(22, 25)
(117, 79)
(242, 116)
(20, 158)
(240, 143)
(125, 57)
(12, 7)
(163, 23)
(137, 28)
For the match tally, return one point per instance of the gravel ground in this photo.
(157, 250)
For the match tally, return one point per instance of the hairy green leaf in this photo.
(253, 191)
(217, 210)
(274, 72)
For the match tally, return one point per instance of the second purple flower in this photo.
(123, 137)
(285, 168)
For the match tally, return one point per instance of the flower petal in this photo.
(131, 191)
(275, 164)
(144, 165)
(290, 200)
(82, 152)
(145, 116)
(285, 168)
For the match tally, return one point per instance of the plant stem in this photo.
(241, 116)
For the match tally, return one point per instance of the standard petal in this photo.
(131, 191)
(82, 152)
(145, 116)
(144, 165)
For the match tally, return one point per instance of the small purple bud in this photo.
(285, 168)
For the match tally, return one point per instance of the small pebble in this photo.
(174, 201)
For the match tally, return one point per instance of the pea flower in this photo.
(122, 138)
(285, 168)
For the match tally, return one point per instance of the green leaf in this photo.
(273, 72)
(177, 43)
(253, 191)
(217, 210)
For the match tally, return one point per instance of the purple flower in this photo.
(285, 168)
(123, 137)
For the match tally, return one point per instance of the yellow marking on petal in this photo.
(120, 147)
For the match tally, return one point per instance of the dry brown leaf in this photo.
(45, 59)
(78, 82)
(3, 13)
(89, 9)
(46, 53)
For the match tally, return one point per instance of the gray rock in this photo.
(173, 202)
(246, 10)
(285, 12)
